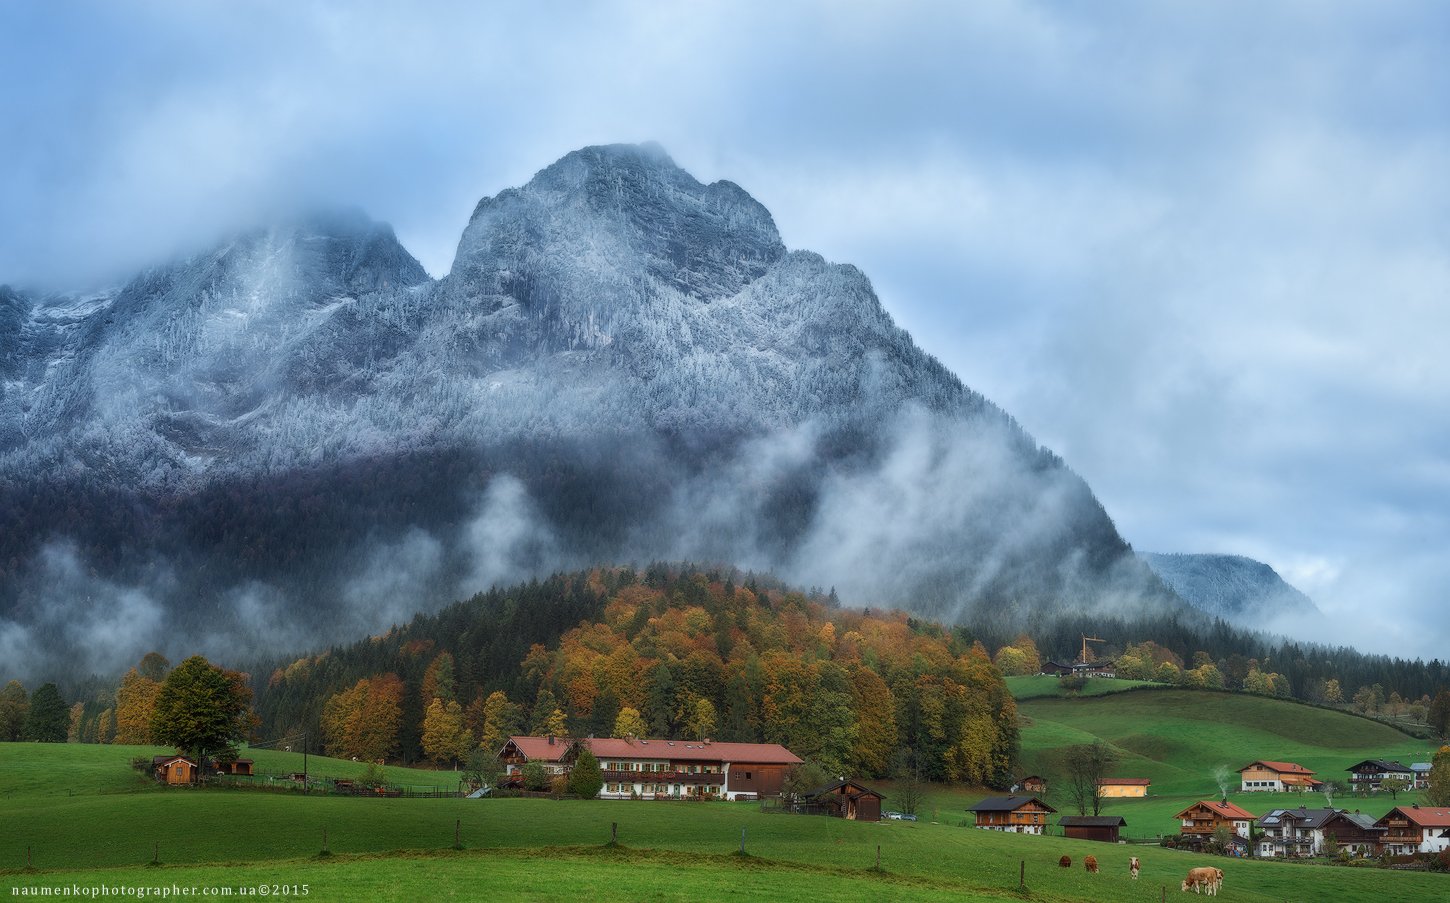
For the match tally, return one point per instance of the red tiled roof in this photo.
(1426, 817)
(539, 749)
(1281, 767)
(692, 751)
(1125, 782)
(1224, 809)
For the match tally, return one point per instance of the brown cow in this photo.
(1133, 867)
(1201, 878)
(1091, 864)
(1065, 862)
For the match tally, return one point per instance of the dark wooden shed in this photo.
(1092, 827)
(847, 799)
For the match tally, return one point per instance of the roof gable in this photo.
(1008, 804)
(1222, 809)
(1092, 821)
(691, 751)
(1281, 767)
(1424, 816)
(538, 749)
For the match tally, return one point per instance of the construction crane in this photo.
(1085, 640)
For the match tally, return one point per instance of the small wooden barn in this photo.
(174, 769)
(1092, 827)
(847, 799)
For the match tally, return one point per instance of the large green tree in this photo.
(49, 716)
(203, 710)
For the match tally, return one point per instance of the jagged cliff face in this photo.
(301, 428)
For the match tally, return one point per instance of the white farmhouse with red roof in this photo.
(663, 769)
(1263, 775)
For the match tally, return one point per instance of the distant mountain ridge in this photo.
(1231, 587)
(298, 435)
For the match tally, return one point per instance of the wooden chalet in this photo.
(1206, 816)
(1123, 787)
(1013, 814)
(1033, 783)
(847, 799)
(1092, 827)
(1415, 829)
(519, 751)
(1421, 770)
(1369, 774)
(1056, 669)
(1354, 832)
(1262, 775)
(689, 769)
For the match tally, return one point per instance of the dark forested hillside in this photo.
(671, 652)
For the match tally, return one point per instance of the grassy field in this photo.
(84, 817)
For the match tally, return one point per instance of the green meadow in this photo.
(86, 818)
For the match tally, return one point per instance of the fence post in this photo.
(1022, 874)
(878, 857)
(324, 840)
(155, 852)
(742, 841)
(613, 833)
(27, 858)
(457, 826)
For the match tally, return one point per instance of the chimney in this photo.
(551, 739)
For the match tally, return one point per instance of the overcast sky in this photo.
(1200, 250)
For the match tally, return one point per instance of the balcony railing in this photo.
(663, 777)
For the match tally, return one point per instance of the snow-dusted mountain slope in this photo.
(299, 434)
(1237, 589)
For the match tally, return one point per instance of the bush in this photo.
(585, 778)
(536, 777)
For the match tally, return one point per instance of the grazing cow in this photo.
(1065, 862)
(1201, 878)
(1133, 867)
(1091, 864)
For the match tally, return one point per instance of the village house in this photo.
(1263, 775)
(1092, 827)
(519, 751)
(689, 769)
(1013, 814)
(846, 799)
(1293, 833)
(1123, 787)
(1369, 774)
(1415, 829)
(660, 769)
(1033, 783)
(1206, 816)
(1421, 770)
(1354, 832)
(1056, 669)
